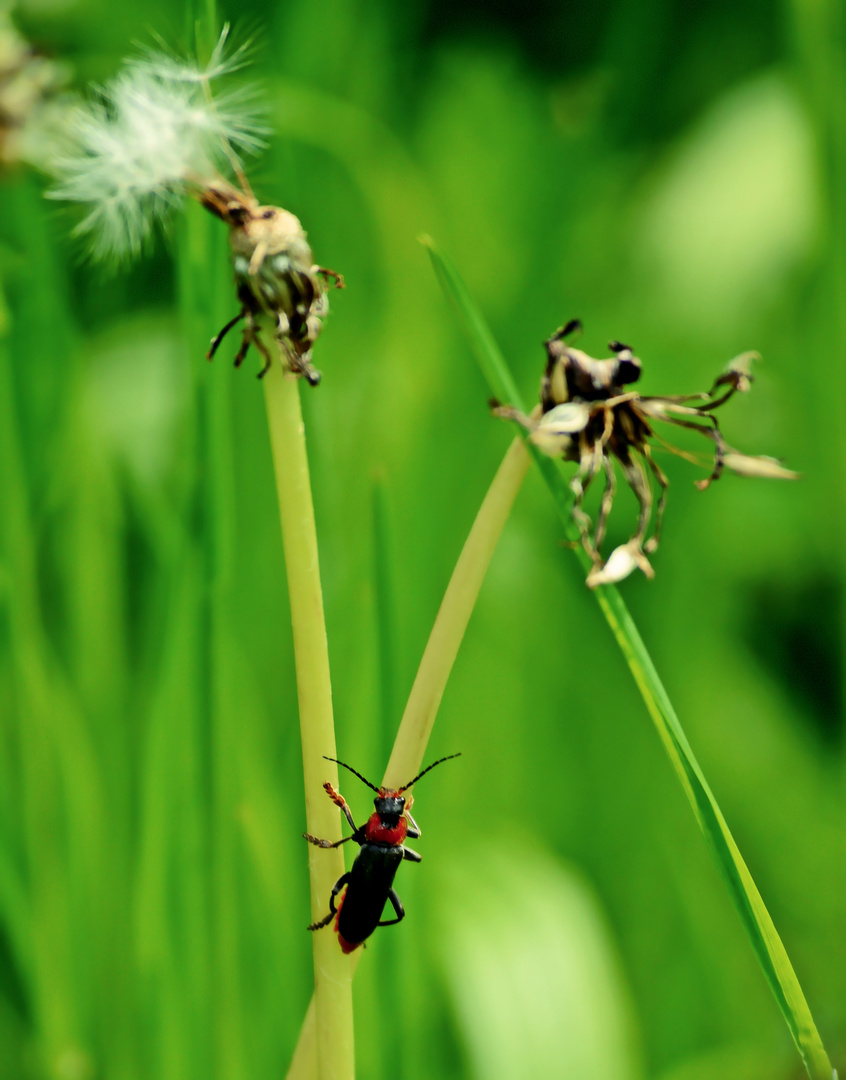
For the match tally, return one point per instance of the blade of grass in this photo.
(332, 969)
(201, 272)
(453, 617)
(763, 936)
(389, 1048)
(434, 671)
(386, 621)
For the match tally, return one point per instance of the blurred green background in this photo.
(669, 173)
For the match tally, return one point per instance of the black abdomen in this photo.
(371, 878)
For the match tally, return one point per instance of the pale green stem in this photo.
(335, 1058)
(453, 617)
(434, 671)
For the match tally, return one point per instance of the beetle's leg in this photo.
(339, 800)
(412, 856)
(607, 500)
(325, 843)
(398, 908)
(333, 911)
(336, 888)
(216, 340)
(663, 483)
(413, 828)
(639, 483)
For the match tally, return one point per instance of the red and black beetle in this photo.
(370, 881)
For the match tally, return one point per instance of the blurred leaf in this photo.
(735, 208)
(137, 395)
(742, 1062)
(530, 967)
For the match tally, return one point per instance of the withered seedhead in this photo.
(226, 201)
(588, 415)
(280, 288)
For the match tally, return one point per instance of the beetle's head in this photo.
(390, 806)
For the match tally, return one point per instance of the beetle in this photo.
(370, 882)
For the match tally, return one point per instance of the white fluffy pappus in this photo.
(150, 135)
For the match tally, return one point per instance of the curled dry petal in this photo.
(738, 372)
(552, 433)
(766, 467)
(621, 562)
(662, 408)
(566, 419)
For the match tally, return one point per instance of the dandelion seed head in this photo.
(145, 139)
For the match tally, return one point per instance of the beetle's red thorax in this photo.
(377, 833)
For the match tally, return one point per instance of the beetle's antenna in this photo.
(428, 768)
(358, 774)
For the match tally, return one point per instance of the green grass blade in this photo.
(756, 919)
(386, 617)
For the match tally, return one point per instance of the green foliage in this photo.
(153, 886)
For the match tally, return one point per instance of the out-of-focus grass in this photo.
(151, 867)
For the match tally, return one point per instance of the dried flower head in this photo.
(31, 111)
(277, 280)
(587, 415)
(156, 133)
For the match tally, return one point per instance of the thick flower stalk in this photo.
(588, 416)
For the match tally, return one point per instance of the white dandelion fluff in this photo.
(148, 137)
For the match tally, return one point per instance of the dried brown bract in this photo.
(278, 283)
(588, 416)
(29, 105)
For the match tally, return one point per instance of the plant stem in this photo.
(453, 617)
(433, 673)
(332, 970)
